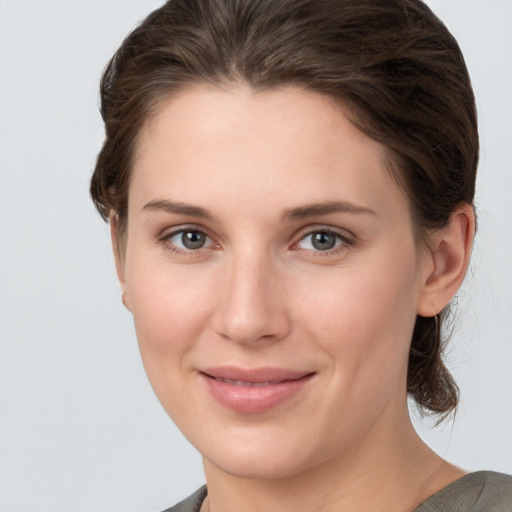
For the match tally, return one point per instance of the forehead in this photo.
(280, 146)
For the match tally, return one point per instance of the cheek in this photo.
(364, 321)
(170, 308)
(169, 316)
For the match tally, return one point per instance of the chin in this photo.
(265, 459)
(272, 467)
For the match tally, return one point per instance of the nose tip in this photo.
(252, 308)
(245, 333)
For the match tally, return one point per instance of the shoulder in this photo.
(192, 503)
(483, 491)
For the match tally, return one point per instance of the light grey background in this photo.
(80, 429)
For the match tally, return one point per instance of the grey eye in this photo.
(190, 240)
(323, 241)
(193, 239)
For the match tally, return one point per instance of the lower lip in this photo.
(254, 399)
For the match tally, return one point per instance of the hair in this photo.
(392, 65)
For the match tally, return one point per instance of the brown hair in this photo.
(391, 63)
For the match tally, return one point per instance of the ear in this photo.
(447, 261)
(118, 249)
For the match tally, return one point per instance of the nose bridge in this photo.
(251, 308)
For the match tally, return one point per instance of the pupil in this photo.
(323, 241)
(193, 239)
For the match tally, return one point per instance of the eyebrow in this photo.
(316, 209)
(179, 208)
(298, 213)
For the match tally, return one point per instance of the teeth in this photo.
(243, 383)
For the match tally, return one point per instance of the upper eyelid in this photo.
(309, 230)
(168, 233)
(171, 231)
(344, 240)
(299, 234)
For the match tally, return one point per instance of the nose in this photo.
(252, 307)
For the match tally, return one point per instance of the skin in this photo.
(258, 293)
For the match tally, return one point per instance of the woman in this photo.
(290, 190)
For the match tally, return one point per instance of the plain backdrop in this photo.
(80, 429)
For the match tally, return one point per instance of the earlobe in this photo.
(450, 253)
(118, 258)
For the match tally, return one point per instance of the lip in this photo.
(255, 390)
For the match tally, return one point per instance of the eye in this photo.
(322, 240)
(188, 240)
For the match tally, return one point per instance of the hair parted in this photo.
(392, 65)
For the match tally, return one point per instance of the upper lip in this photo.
(255, 375)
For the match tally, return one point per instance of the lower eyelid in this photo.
(342, 238)
(166, 238)
(343, 241)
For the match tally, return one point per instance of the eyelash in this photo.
(345, 240)
(165, 240)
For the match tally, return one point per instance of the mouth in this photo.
(250, 391)
(243, 383)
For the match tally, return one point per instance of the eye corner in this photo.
(323, 241)
(176, 241)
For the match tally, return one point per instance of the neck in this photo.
(388, 471)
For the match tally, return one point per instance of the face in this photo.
(273, 277)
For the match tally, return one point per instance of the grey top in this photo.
(484, 491)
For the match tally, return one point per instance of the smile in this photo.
(243, 383)
(256, 390)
